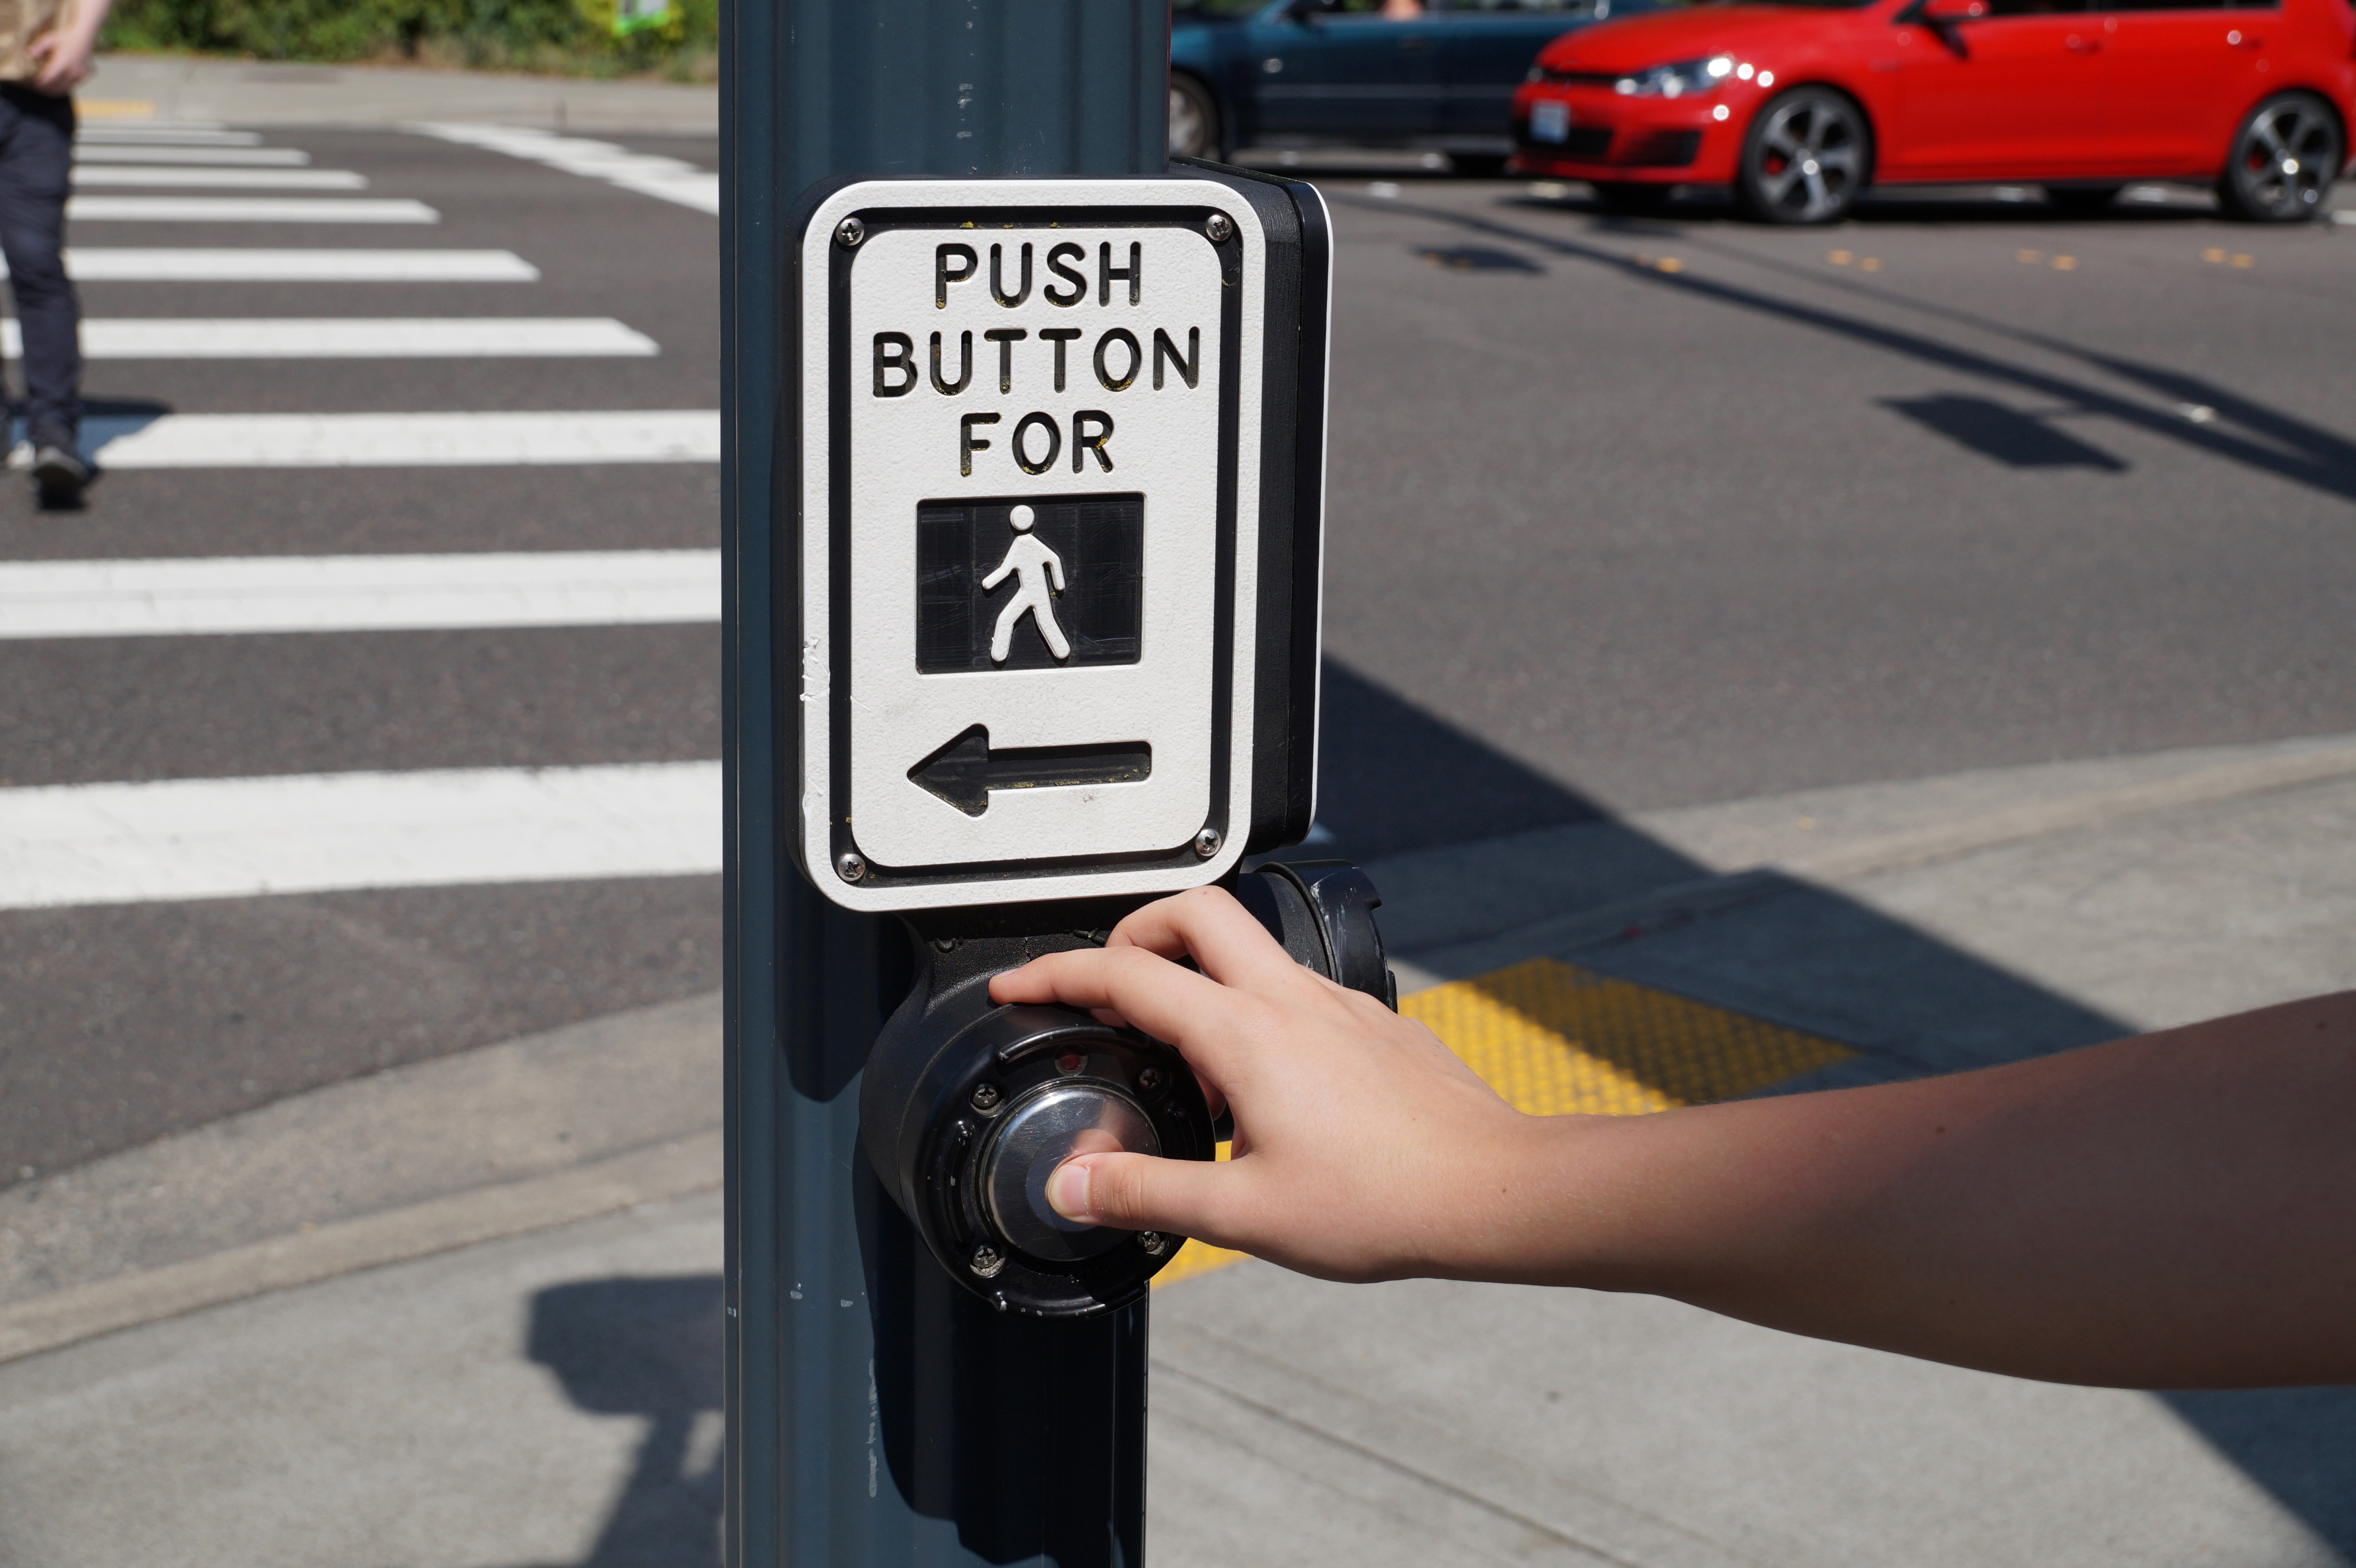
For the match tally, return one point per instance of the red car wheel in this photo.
(2284, 158)
(1805, 159)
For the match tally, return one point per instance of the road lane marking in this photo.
(351, 338)
(247, 209)
(247, 595)
(405, 441)
(240, 157)
(187, 135)
(672, 179)
(121, 175)
(234, 264)
(68, 845)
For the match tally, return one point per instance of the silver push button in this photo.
(1039, 1134)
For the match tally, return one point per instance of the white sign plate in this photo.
(1029, 532)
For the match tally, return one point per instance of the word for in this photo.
(1118, 359)
(1091, 428)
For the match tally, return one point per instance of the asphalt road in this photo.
(128, 1022)
(1678, 511)
(1624, 515)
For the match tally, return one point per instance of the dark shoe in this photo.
(59, 471)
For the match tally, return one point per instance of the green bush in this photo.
(545, 34)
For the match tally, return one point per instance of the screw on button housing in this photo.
(850, 866)
(849, 232)
(985, 1097)
(1206, 842)
(1150, 1080)
(1219, 228)
(1154, 1242)
(986, 1260)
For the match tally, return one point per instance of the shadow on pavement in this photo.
(648, 1349)
(2299, 1444)
(1397, 780)
(1391, 777)
(2210, 419)
(1924, 205)
(2014, 439)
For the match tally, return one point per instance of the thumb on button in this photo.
(1136, 1193)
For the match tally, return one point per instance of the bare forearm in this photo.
(2174, 1209)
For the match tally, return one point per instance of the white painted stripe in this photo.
(239, 595)
(114, 176)
(699, 190)
(672, 179)
(247, 209)
(200, 838)
(230, 264)
(414, 440)
(225, 157)
(185, 135)
(349, 337)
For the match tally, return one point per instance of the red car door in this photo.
(2181, 74)
(2014, 94)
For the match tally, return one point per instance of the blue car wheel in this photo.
(1194, 125)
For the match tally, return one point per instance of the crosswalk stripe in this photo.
(236, 157)
(247, 209)
(116, 176)
(672, 179)
(348, 338)
(166, 137)
(200, 839)
(249, 595)
(408, 440)
(241, 265)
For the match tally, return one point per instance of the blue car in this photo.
(1363, 73)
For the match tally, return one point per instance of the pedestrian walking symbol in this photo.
(1033, 565)
(1029, 582)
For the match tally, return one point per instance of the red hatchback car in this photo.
(1800, 106)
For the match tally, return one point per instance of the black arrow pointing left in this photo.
(964, 772)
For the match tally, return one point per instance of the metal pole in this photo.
(877, 1414)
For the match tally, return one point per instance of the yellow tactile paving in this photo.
(1556, 1040)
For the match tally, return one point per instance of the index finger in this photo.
(1211, 926)
(1204, 1019)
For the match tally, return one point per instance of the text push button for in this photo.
(1051, 534)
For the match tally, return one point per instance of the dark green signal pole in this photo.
(877, 1414)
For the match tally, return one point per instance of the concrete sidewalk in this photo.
(166, 87)
(465, 1313)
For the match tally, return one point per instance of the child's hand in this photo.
(1363, 1149)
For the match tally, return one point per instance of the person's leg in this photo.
(1002, 636)
(9, 117)
(36, 167)
(1043, 613)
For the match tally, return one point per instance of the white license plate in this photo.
(1549, 121)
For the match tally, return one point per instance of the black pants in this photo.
(36, 167)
